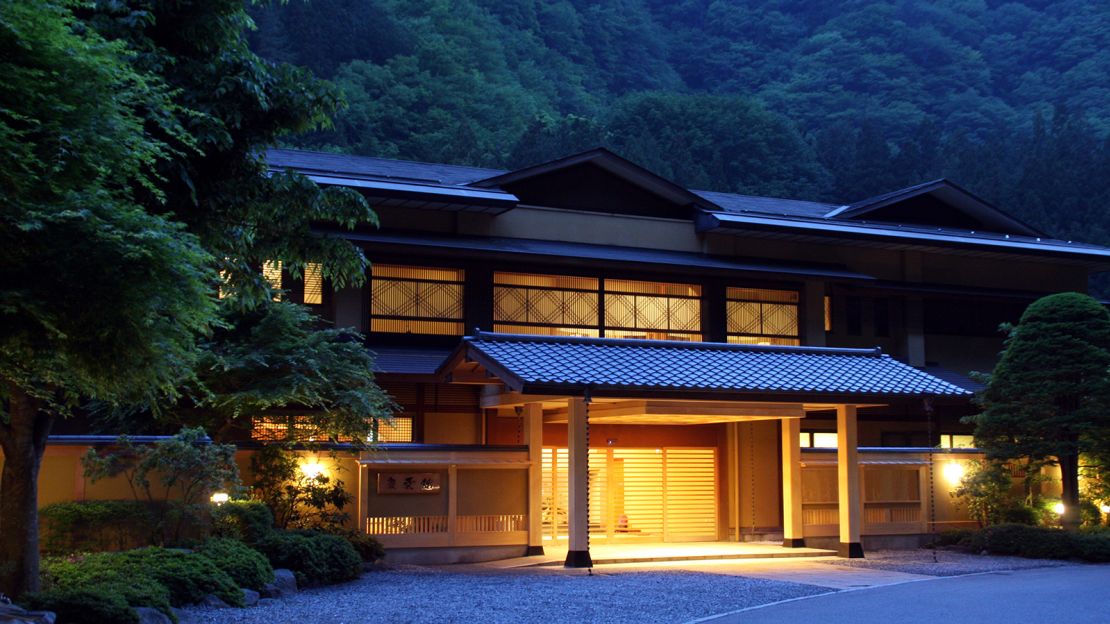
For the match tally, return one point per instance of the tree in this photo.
(1049, 395)
(101, 299)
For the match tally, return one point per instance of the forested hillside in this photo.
(816, 100)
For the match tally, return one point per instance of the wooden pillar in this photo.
(792, 534)
(578, 477)
(533, 434)
(847, 468)
(452, 503)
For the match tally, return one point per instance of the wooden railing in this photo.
(405, 525)
(901, 512)
(491, 524)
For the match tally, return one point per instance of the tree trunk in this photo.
(1069, 477)
(23, 441)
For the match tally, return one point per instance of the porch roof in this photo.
(613, 367)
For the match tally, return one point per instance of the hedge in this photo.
(86, 605)
(245, 565)
(85, 526)
(315, 558)
(1034, 542)
(248, 521)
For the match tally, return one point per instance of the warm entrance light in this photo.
(219, 498)
(953, 472)
(1104, 508)
(312, 470)
(1058, 508)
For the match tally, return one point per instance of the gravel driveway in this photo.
(947, 563)
(551, 596)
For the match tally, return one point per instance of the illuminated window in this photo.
(824, 439)
(828, 313)
(313, 284)
(652, 310)
(299, 428)
(957, 441)
(271, 272)
(416, 300)
(762, 316)
(805, 439)
(553, 305)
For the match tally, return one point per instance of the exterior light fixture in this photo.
(1104, 508)
(1058, 508)
(219, 498)
(953, 472)
(312, 470)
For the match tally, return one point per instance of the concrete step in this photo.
(600, 557)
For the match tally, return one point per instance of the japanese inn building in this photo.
(586, 353)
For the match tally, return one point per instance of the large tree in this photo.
(100, 298)
(1049, 396)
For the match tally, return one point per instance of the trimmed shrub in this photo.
(87, 605)
(315, 559)
(91, 526)
(248, 521)
(1039, 543)
(99, 576)
(1020, 514)
(245, 565)
(368, 548)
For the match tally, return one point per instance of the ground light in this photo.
(953, 472)
(1058, 508)
(219, 498)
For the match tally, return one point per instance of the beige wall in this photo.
(492, 491)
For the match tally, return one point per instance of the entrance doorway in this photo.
(664, 494)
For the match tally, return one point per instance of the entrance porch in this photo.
(650, 552)
(666, 490)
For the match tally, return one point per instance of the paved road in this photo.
(1074, 594)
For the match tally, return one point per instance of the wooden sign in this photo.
(408, 483)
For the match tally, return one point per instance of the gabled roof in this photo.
(608, 161)
(731, 202)
(948, 192)
(632, 368)
(352, 166)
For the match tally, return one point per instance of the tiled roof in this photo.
(408, 360)
(378, 168)
(545, 362)
(731, 202)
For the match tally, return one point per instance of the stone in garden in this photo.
(284, 582)
(250, 597)
(150, 615)
(212, 601)
(11, 614)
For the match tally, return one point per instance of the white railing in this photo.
(405, 525)
(491, 524)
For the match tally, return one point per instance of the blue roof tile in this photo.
(611, 364)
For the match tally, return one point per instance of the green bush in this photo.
(1020, 514)
(185, 577)
(245, 565)
(248, 521)
(368, 548)
(87, 605)
(1039, 543)
(91, 526)
(315, 559)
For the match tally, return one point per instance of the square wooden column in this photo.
(847, 468)
(792, 535)
(578, 483)
(533, 432)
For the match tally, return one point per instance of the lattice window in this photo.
(299, 428)
(313, 284)
(762, 316)
(416, 300)
(271, 272)
(652, 310)
(553, 305)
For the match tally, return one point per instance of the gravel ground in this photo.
(413, 594)
(948, 562)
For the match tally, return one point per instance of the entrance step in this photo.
(656, 553)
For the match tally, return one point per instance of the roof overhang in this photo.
(551, 366)
(578, 253)
(903, 237)
(426, 196)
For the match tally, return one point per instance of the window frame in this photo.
(774, 339)
(459, 321)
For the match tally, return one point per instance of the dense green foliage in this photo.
(1008, 98)
(245, 565)
(189, 577)
(297, 500)
(315, 558)
(245, 520)
(1033, 542)
(86, 605)
(1048, 397)
(95, 525)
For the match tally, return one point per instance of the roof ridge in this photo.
(479, 335)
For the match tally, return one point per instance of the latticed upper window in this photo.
(653, 310)
(553, 305)
(299, 428)
(313, 284)
(416, 300)
(762, 316)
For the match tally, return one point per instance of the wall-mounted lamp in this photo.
(953, 472)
